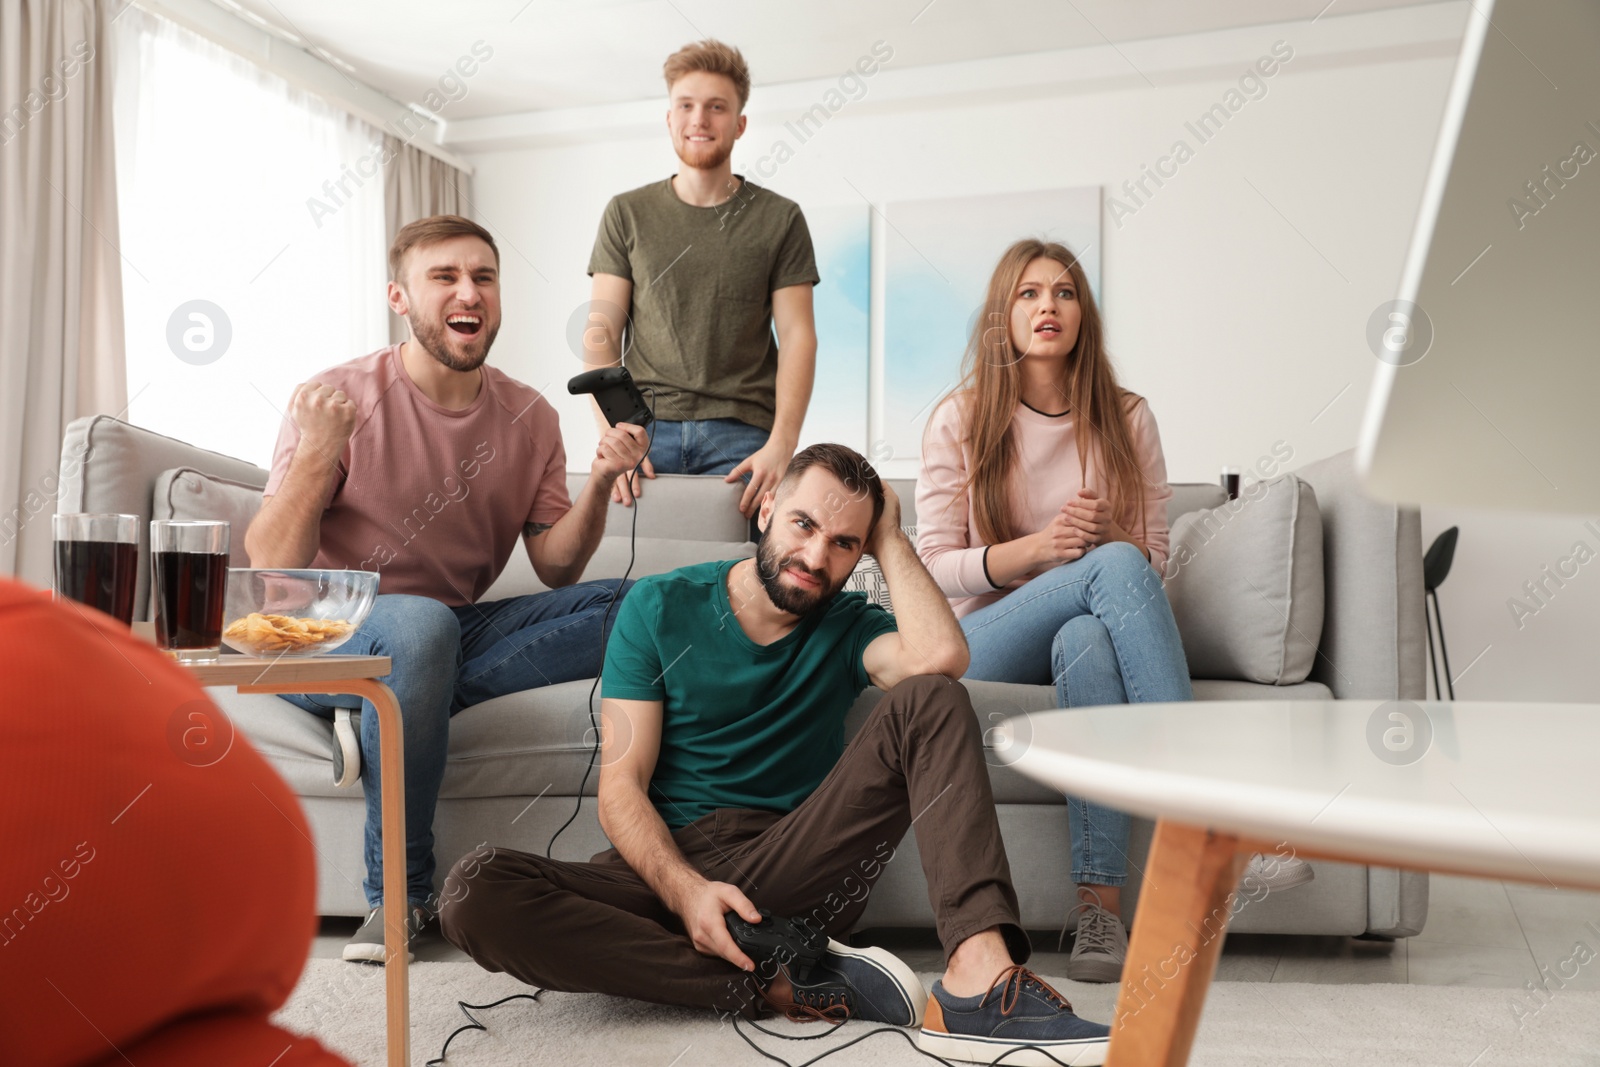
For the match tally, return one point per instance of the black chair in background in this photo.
(1435, 568)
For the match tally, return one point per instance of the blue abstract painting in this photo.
(841, 237)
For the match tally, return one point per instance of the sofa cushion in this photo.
(1245, 583)
(1229, 689)
(1193, 496)
(906, 490)
(695, 507)
(658, 555)
(110, 466)
(654, 555)
(1374, 646)
(184, 493)
(520, 745)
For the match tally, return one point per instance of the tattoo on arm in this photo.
(534, 529)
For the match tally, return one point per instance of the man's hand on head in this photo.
(766, 467)
(620, 449)
(888, 523)
(325, 417)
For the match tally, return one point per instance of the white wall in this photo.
(1235, 299)
(1548, 653)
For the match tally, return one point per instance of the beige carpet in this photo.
(1245, 1025)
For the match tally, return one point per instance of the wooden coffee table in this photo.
(1485, 789)
(356, 675)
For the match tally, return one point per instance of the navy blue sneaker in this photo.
(859, 983)
(1021, 1018)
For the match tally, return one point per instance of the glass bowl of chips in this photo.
(271, 613)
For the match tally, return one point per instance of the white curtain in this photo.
(252, 237)
(60, 285)
(415, 186)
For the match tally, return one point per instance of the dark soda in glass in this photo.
(101, 574)
(188, 589)
(97, 560)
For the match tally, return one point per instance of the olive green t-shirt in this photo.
(703, 279)
(743, 725)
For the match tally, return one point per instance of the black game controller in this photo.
(792, 944)
(613, 389)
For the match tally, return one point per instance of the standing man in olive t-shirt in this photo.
(691, 275)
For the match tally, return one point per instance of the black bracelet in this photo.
(986, 574)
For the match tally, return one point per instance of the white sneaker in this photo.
(367, 945)
(1278, 872)
(346, 747)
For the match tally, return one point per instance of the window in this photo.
(252, 238)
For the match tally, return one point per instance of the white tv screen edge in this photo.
(1488, 389)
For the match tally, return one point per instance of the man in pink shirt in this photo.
(425, 464)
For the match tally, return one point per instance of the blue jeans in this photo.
(446, 659)
(1100, 627)
(704, 446)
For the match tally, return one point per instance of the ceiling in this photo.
(548, 54)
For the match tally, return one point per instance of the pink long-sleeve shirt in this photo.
(1046, 476)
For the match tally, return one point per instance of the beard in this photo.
(435, 336)
(770, 568)
(702, 156)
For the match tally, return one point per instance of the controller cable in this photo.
(474, 1023)
(605, 634)
(1000, 1059)
(594, 753)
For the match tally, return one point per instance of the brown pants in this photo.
(597, 927)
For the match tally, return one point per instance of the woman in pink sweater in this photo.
(1041, 510)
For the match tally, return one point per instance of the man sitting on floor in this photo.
(726, 787)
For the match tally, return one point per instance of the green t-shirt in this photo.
(703, 279)
(744, 725)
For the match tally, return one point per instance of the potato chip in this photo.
(265, 635)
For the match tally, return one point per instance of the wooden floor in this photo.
(1479, 933)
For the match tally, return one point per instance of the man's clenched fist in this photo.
(324, 416)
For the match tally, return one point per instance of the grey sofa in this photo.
(516, 762)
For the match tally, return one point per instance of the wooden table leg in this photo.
(1184, 907)
(396, 907)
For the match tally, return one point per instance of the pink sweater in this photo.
(1045, 478)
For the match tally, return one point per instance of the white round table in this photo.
(1488, 789)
